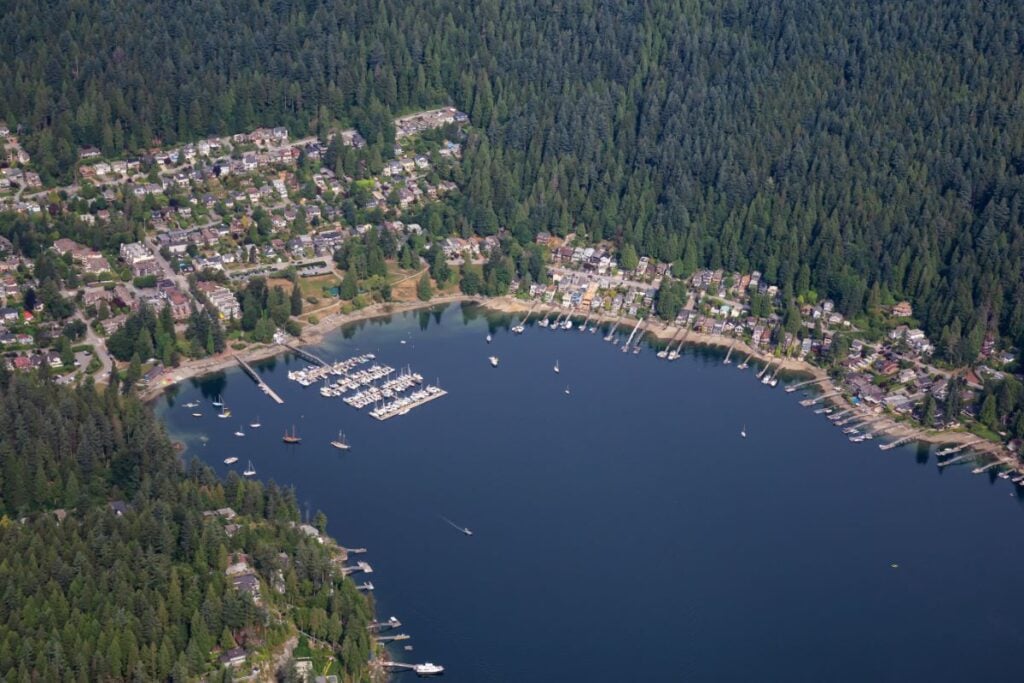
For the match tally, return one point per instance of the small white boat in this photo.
(557, 370)
(743, 431)
(256, 424)
(493, 361)
(239, 432)
(428, 669)
(489, 339)
(567, 391)
(230, 461)
(217, 402)
(197, 414)
(224, 413)
(544, 322)
(249, 471)
(192, 404)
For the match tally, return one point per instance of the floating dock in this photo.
(264, 387)
(401, 406)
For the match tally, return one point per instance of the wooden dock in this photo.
(302, 353)
(264, 387)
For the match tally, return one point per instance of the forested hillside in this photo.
(110, 570)
(849, 150)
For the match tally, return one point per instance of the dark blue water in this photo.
(625, 531)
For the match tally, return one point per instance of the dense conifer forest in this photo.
(853, 151)
(111, 571)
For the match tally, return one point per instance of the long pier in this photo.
(311, 357)
(897, 442)
(625, 347)
(956, 449)
(799, 385)
(264, 387)
(764, 370)
(952, 461)
(390, 639)
(391, 623)
(812, 401)
(728, 355)
(611, 333)
(986, 468)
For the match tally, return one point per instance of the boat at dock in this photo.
(428, 669)
(230, 461)
(544, 323)
(293, 438)
(249, 470)
(493, 360)
(341, 443)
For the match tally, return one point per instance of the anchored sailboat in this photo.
(291, 438)
(249, 470)
(341, 443)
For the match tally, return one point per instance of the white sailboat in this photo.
(239, 432)
(341, 443)
(256, 424)
(743, 431)
(249, 470)
(217, 402)
(557, 370)
(493, 360)
(567, 390)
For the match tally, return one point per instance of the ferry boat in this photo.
(256, 424)
(428, 669)
(239, 432)
(291, 438)
(230, 461)
(249, 470)
(556, 368)
(493, 360)
(341, 443)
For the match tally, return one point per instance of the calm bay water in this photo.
(625, 531)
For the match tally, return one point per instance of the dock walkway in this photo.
(264, 387)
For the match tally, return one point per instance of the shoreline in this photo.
(312, 334)
(661, 331)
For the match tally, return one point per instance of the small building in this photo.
(234, 657)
